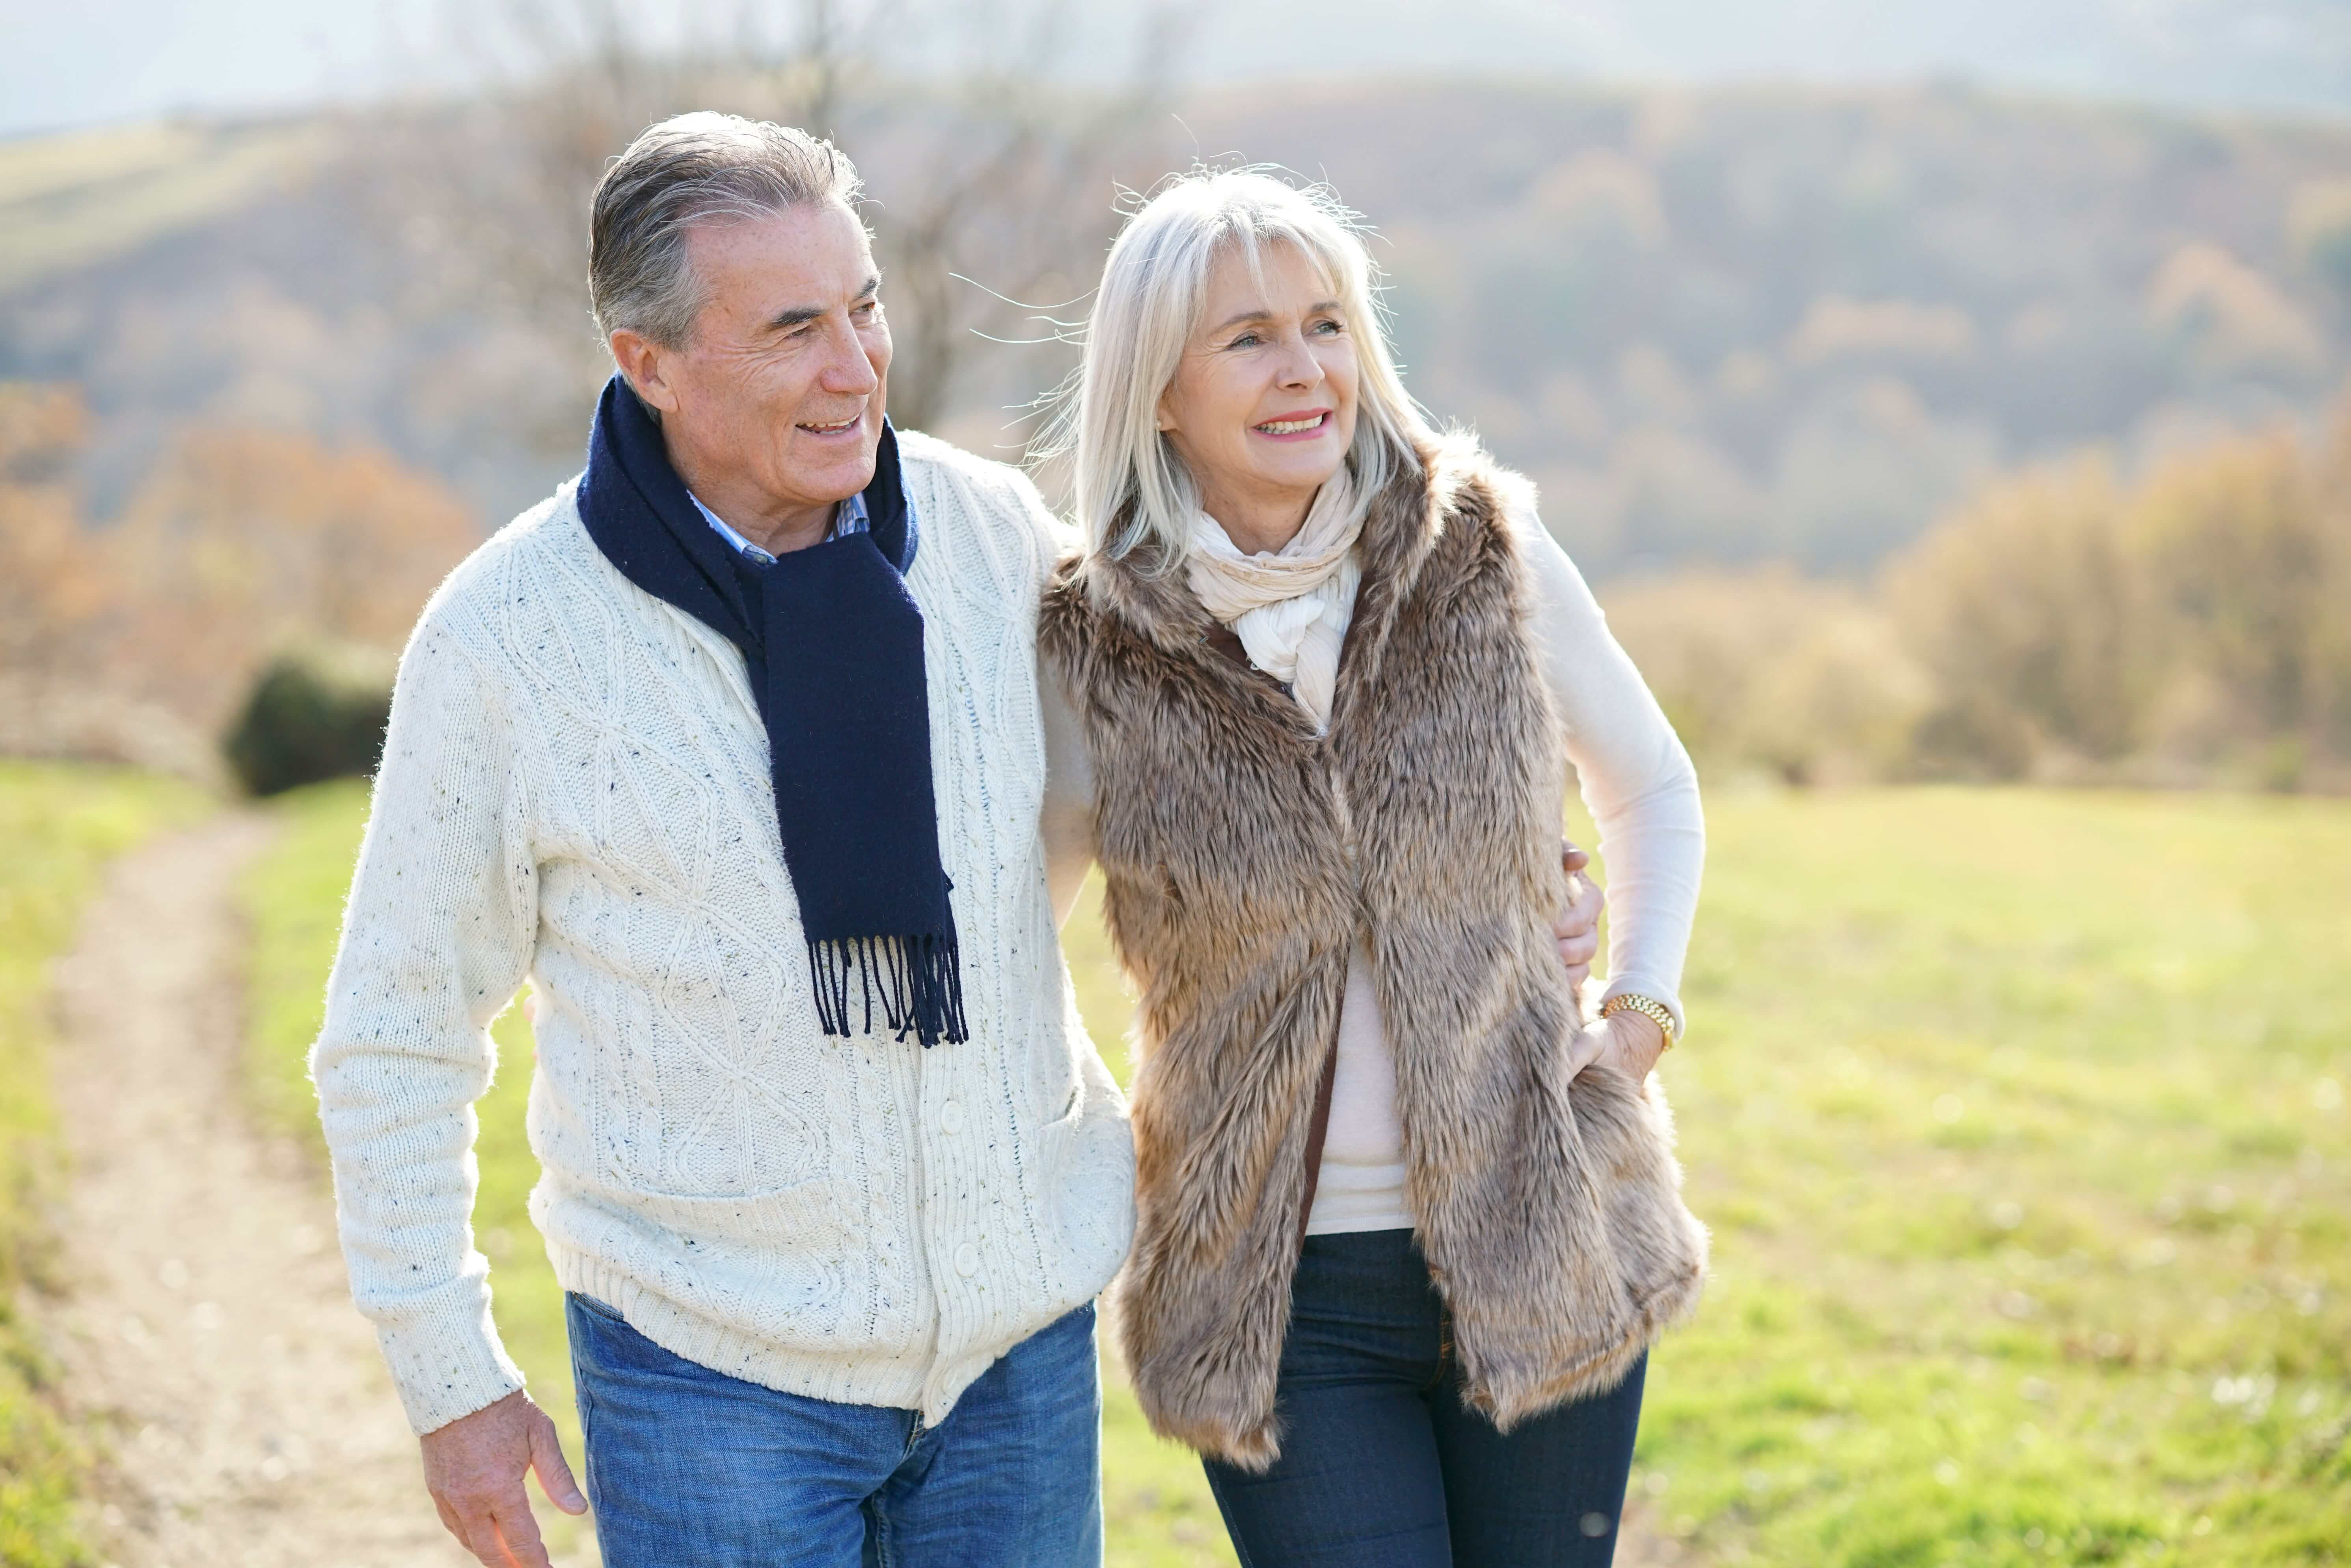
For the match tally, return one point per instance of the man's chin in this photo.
(833, 470)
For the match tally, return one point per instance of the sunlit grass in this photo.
(58, 826)
(2020, 1121)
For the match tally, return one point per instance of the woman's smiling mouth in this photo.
(1307, 424)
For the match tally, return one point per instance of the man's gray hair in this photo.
(694, 169)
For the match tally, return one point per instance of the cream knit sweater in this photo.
(575, 790)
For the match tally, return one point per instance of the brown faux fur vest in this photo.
(1243, 856)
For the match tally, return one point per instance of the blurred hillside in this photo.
(1726, 324)
(269, 380)
(1744, 323)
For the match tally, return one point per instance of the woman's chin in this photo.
(1307, 471)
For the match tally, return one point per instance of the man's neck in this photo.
(775, 527)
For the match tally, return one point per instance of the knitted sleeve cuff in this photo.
(445, 1367)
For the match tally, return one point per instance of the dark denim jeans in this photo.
(1382, 1467)
(688, 1467)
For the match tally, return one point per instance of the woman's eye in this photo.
(1246, 341)
(1327, 326)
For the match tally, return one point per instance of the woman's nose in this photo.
(1300, 368)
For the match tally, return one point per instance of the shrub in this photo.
(1765, 670)
(312, 716)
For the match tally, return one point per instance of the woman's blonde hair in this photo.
(1132, 487)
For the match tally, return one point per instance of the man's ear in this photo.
(642, 361)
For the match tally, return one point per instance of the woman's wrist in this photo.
(1651, 1011)
(1640, 1027)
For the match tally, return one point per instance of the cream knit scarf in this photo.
(1291, 607)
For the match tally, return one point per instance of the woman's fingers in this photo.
(1586, 1046)
(1581, 914)
(1576, 928)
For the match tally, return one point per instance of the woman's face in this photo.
(1262, 407)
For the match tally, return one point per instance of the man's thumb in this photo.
(554, 1471)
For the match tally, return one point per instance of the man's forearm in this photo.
(436, 938)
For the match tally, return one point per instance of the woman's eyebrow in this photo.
(1260, 313)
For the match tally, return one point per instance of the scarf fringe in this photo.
(919, 980)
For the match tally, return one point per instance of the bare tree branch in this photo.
(981, 158)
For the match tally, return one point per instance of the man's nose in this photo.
(848, 368)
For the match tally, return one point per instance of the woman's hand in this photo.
(1628, 1041)
(1577, 926)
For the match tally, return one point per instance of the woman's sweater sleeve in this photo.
(1635, 776)
(1067, 820)
(437, 937)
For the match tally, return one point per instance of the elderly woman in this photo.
(1407, 1223)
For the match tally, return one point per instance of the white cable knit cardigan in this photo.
(574, 789)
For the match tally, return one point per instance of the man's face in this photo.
(780, 390)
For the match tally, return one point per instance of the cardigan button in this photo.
(967, 1259)
(951, 1117)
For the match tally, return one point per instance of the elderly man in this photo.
(732, 747)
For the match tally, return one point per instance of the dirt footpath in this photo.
(209, 1338)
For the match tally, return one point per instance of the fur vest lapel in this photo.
(1245, 857)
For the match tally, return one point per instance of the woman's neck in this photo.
(1258, 525)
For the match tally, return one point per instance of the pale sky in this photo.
(106, 61)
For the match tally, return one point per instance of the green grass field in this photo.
(58, 826)
(2020, 1119)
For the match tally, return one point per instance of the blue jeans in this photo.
(1382, 1465)
(688, 1467)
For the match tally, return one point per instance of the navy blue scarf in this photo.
(833, 642)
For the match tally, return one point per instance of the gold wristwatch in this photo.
(1649, 1008)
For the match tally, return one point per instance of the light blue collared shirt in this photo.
(849, 518)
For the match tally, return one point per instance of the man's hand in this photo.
(1577, 926)
(474, 1468)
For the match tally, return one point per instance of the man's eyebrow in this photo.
(1260, 313)
(794, 316)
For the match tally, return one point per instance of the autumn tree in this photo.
(2245, 559)
(2026, 612)
(243, 542)
(53, 586)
